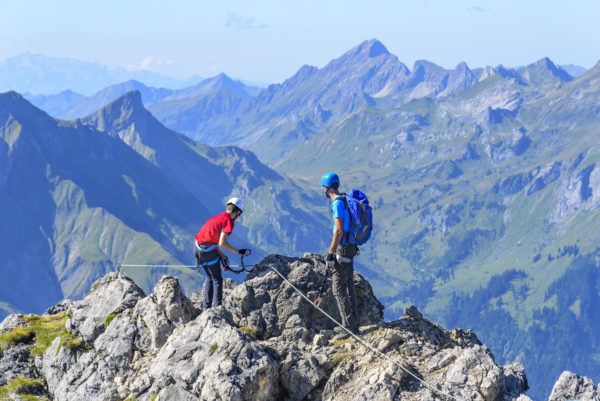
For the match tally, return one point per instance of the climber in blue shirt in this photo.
(340, 257)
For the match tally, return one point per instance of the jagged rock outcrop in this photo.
(265, 343)
(574, 387)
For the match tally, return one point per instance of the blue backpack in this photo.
(361, 216)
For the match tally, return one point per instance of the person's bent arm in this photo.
(223, 243)
(337, 235)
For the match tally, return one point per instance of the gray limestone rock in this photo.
(62, 306)
(211, 359)
(15, 362)
(158, 314)
(269, 305)
(110, 295)
(266, 343)
(570, 386)
(11, 321)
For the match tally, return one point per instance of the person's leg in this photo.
(355, 320)
(208, 290)
(217, 282)
(340, 292)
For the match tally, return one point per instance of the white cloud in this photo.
(148, 62)
(236, 21)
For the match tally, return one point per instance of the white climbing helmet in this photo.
(237, 202)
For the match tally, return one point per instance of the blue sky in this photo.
(268, 41)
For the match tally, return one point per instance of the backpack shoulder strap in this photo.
(342, 197)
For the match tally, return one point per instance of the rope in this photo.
(120, 265)
(368, 346)
(189, 266)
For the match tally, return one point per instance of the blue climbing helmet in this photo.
(330, 180)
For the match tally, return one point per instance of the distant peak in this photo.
(370, 48)
(425, 64)
(374, 48)
(133, 97)
(462, 66)
(130, 101)
(545, 69)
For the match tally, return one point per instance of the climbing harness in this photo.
(368, 346)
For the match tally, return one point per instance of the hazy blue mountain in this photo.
(39, 74)
(67, 105)
(200, 113)
(313, 100)
(544, 71)
(574, 70)
(58, 104)
(100, 99)
(213, 84)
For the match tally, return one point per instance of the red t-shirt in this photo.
(211, 230)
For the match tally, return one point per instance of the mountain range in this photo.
(484, 184)
(79, 197)
(41, 74)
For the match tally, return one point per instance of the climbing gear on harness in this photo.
(329, 260)
(244, 268)
(343, 259)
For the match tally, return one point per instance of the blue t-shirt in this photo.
(339, 209)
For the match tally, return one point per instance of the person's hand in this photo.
(245, 252)
(329, 260)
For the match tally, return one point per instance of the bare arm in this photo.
(337, 235)
(223, 243)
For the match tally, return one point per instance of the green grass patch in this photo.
(213, 348)
(18, 335)
(41, 331)
(25, 388)
(154, 397)
(339, 343)
(339, 357)
(46, 329)
(374, 332)
(109, 319)
(249, 331)
(72, 342)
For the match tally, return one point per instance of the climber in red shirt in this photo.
(211, 237)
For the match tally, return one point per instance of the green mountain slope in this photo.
(283, 216)
(75, 202)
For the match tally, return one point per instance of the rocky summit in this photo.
(265, 343)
